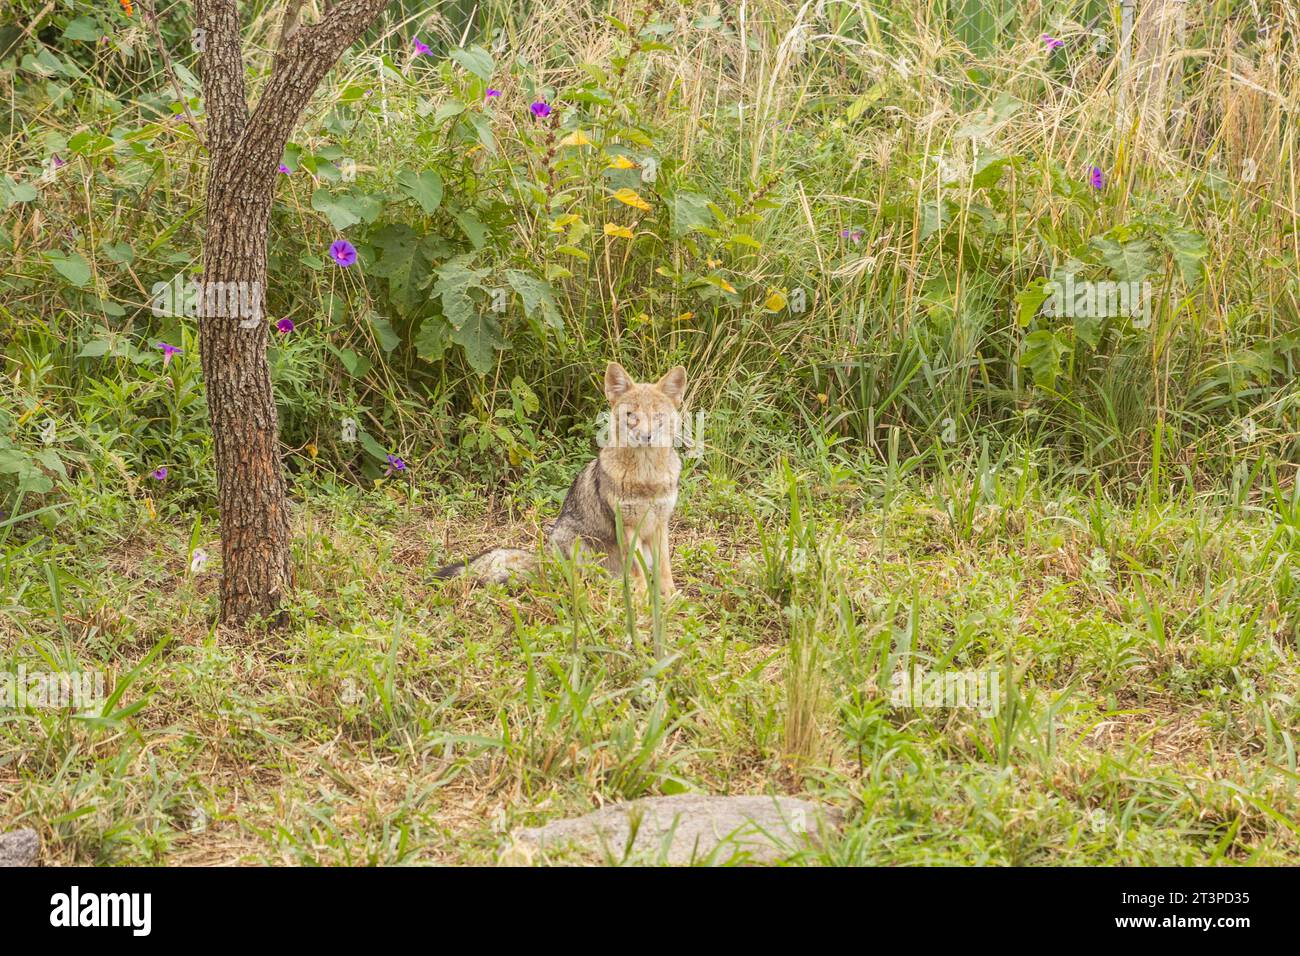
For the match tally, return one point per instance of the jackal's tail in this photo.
(495, 566)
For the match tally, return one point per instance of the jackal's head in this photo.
(643, 415)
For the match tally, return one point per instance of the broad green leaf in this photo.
(455, 281)
(447, 110)
(84, 29)
(480, 337)
(591, 94)
(689, 211)
(483, 130)
(74, 268)
(357, 365)
(10, 34)
(15, 192)
(88, 143)
(988, 169)
(51, 460)
(1031, 299)
(537, 295)
(119, 252)
(1042, 353)
(424, 187)
(37, 482)
(472, 227)
(388, 339)
(372, 447)
(475, 59)
(859, 106)
(346, 210)
(1130, 261)
(14, 462)
(934, 216)
(1189, 249)
(406, 261)
(431, 340)
(1087, 328)
(95, 349)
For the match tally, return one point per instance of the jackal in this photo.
(634, 475)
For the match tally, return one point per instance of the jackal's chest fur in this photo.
(642, 487)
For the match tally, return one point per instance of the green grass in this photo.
(1149, 655)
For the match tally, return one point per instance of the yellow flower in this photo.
(576, 138)
(775, 301)
(685, 317)
(823, 397)
(312, 449)
(622, 162)
(622, 232)
(628, 197)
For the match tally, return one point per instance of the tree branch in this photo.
(307, 54)
(289, 25)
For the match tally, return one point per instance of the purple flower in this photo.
(168, 351)
(853, 235)
(284, 169)
(1052, 42)
(285, 326)
(343, 253)
(422, 49)
(491, 93)
(58, 161)
(1096, 178)
(395, 464)
(541, 109)
(159, 474)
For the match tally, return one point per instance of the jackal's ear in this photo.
(617, 381)
(673, 385)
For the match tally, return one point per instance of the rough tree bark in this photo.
(244, 151)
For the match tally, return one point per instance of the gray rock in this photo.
(694, 827)
(19, 848)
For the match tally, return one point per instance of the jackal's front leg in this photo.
(628, 559)
(661, 555)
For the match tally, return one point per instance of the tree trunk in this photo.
(251, 493)
(244, 155)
